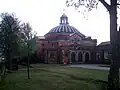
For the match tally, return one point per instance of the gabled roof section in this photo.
(104, 43)
(79, 34)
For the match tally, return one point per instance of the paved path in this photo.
(90, 66)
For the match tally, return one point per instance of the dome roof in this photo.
(64, 26)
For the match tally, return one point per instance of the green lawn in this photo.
(56, 77)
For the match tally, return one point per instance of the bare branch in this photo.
(118, 7)
(118, 3)
(105, 4)
(84, 5)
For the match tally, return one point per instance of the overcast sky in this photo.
(43, 15)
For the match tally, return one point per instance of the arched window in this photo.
(51, 55)
(79, 57)
(73, 57)
(87, 57)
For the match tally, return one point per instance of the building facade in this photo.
(65, 42)
(104, 51)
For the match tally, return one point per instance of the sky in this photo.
(43, 15)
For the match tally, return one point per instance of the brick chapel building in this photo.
(65, 41)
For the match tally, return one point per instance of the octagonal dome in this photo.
(64, 26)
(63, 30)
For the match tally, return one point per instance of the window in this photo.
(42, 44)
(42, 50)
(51, 55)
(72, 41)
(52, 45)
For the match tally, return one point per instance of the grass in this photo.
(56, 77)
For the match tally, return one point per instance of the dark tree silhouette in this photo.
(16, 39)
(113, 77)
(9, 28)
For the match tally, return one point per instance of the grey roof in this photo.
(64, 15)
(104, 43)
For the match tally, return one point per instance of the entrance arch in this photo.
(79, 57)
(87, 57)
(73, 57)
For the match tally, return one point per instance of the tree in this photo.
(9, 29)
(2, 69)
(28, 38)
(113, 77)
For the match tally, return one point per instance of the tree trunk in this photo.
(113, 77)
(28, 68)
(9, 57)
(9, 63)
(28, 63)
(3, 72)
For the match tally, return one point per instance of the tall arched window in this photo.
(51, 55)
(79, 57)
(87, 56)
(73, 57)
